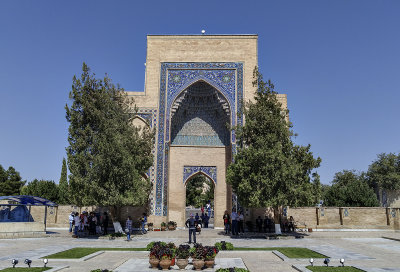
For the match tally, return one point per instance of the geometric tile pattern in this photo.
(209, 171)
(225, 77)
(149, 115)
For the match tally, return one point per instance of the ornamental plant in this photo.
(211, 252)
(198, 252)
(172, 247)
(165, 253)
(183, 252)
(172, 223)
(151, 245)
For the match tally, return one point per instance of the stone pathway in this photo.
(368, 251)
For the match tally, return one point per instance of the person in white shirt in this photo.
(77, 223)
(235, 218)
(241, 222)
(71, 221)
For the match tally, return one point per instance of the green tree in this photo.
(64, 197)
(10, 181)
(316, 188)
(384, 173)
(350, 189)
(269, 170)
(47, 189)
(199, 190)
(107, 155)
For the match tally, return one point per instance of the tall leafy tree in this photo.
(350, 189)
(47, 189)
(64, 197)
(384, 172)
(10, 181)
(107, 155)
(316, 189)
(269, 170)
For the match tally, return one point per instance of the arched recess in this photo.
(140, 122)
(196, 174)
(200, 116)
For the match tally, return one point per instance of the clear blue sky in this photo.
(338, 62)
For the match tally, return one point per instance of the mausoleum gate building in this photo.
(194, 86)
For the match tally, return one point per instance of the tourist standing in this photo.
(71, 221)
(234, 217)
(202, 219)
(104, 221)
(226, 219)
(206, 219)
(144, 222)
(192, 225)
(92, 223)
(208, 206)
(77, 224)
(259, 223)
(128, 228)
(241, 222)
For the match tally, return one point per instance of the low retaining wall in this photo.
(326, 218)
(22, 229)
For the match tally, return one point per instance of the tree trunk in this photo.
(277, 220)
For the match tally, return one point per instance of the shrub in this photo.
(224, 245)
(183, 252)
(198, 252)
(150, 245)
(211, 252)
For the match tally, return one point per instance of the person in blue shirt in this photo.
(144, 222)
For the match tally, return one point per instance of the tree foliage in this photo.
(269, 169)
(385, 172)
(199, 190)
(107, 155)
(47, 189)
(64, 197)
(10, 181)
(350, 189)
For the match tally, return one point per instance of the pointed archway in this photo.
(200, 143)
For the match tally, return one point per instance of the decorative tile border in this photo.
(209, 171)
(150, 117)
(226, 77)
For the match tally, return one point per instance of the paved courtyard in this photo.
(371, 251)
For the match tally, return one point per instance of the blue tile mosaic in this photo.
(190, 171)
(149, 115)
(226, 77)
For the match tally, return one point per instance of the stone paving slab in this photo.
(367, 250)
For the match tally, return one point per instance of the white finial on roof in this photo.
(203, 31)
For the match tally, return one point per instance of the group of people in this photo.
(88, 222)
(129, 229)
(233, 222)
(265, 225)
(202, 220)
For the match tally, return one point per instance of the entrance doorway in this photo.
(200, 193)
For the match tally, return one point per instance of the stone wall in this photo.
(58, 216)
(337, 217)
(317, 218)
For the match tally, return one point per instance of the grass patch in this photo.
(79, 252)
(23, 269)
(290, 252)
(334, 269)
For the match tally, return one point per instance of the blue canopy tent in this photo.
(26, 200)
